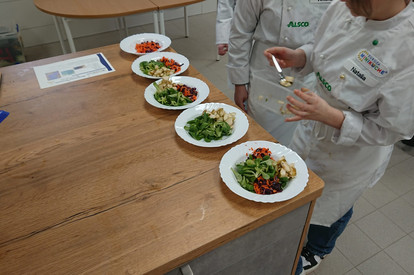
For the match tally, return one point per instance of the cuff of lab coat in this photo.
(222, 37)
(238, 75)
(350, 130)
(308, 67)
(222, 41)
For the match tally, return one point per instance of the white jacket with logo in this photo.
(366, 69)
(269, 23)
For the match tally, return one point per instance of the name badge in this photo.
(360, 74)
(372, 64)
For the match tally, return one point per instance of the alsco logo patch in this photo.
(372, 64)
(298, 24)
(323, 82)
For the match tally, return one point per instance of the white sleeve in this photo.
(391, 121)
(245, 20)
(225, 9)
(307, 69)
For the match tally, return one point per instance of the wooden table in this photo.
(62, 10)
(95, 180)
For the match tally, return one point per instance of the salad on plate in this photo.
(263, 171)
(156, 65)
(211, 124)
(144, 43)
(170, 93)
(262, 174)
(176, 92)
(159, 68)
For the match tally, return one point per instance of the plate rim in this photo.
(163, 47)
(183, 134)
(234, 186)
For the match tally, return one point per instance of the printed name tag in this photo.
(360, 74)
(319, 1)
(372, 64)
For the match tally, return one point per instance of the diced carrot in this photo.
(147, 47)
(261, 152)
(256, 188)
(262, 186)
(171, 64)
(191, 93)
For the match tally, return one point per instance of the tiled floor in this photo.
(380, 236)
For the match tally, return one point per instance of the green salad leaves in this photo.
(249, 171)
(147, 67)
(261, 174)
(170, 96)
(207, 128)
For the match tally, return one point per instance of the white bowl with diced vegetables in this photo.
(164, 93)
(131, 43)
(238, 155)
(218, 117)
(158, 64)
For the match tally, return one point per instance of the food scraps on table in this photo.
(261, 174)
(160, 68)
(211, 125)
(174, 94)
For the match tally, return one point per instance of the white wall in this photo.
(38, 28)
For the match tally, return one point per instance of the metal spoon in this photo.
(281, 75)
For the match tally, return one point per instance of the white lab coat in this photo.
(373, 86)
(225, 9)
(269, 23)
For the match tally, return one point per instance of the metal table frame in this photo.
(158, 18)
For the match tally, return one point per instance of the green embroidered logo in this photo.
(324, 82)
(298, 24)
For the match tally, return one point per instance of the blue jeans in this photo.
(322, 239)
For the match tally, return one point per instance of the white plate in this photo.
(181, 59)
(201, 86)
(128, 44)
(237, 155)
(241, 124)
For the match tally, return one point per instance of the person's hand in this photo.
(313, 107)
(286, 57)
(222, 48)
(240, 96)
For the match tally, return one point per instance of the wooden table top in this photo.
(168, 4)
(106, 8)
(94, 8)
(95, 180)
